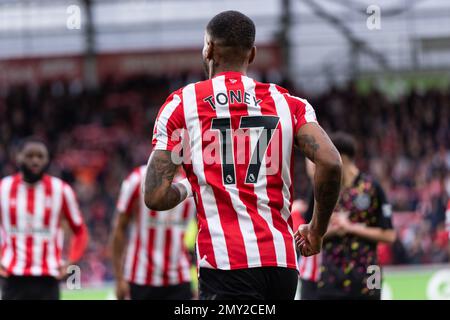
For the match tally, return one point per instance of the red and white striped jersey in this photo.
(31, 218)
(156, 254)
(309, 267)
(241, 174)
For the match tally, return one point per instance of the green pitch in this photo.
(399, 284)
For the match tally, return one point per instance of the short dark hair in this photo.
(233, 29)
(31, 139)
(344, 143)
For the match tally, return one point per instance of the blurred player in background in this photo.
(156, 266)
(362, 219)
(33, 209)
(245, 247)
(309, 267)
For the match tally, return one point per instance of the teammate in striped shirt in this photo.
(156, 265)
(309, 267)
(34, 208)
(234, 137)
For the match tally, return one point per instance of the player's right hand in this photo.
(122, 290)
(307, 240)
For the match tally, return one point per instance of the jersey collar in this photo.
(229, 73)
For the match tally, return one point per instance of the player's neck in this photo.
(227, 68)
(30, 181)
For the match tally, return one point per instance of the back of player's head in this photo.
(232, 29)
(344, 143)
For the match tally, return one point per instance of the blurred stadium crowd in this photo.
(97, 136)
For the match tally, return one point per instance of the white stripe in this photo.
(175, 252)
(4, 202)
(57, 198)
(185, 269)
(307, 274)
(207, 194)
(135, 230)
(284, 113)
(38, 223)
(158, 253)
(261, 187)
(287, 144)
(128, 266)
(142, 257)
(21, 213)
(127, 190)
(161, 124)
(72, 206)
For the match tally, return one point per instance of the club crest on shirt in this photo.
(362, 201)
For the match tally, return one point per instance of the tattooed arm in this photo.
(317, 146)
(159, 191)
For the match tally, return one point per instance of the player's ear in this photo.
(252, 55)
(209, 50)
(208, 47)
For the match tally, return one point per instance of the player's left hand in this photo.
(308, 241)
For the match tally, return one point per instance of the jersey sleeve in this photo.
(169, 123)
(384, 208)
(129, 193)
(301, 110)
(71, 209)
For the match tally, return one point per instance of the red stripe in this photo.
(135, 258)
(44, 258)
(29, 255)
(29, 238)
(275, 182)
(186, 207)
(48, 195)
(314, 268)
(13, 219)
(184, 256)
(303, 265)
(13, 199)
(227, 215)
(137, 248)
(14, 258)
(46, 180)
(167, 247)
(204, 239)
(57, 250)
(150, 248)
